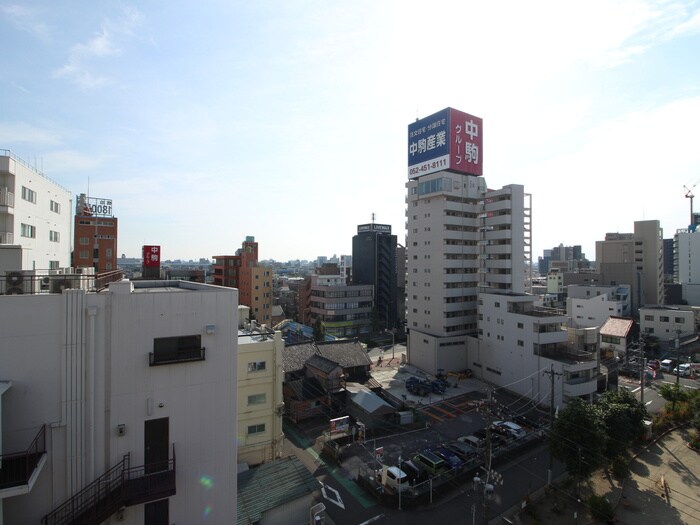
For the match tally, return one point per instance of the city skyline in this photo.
(288, 122)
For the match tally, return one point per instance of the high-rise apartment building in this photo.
(254, 282)
(462, 238)
(686, 264)
(636, 259)
(374, 262)
(35, 218)
(95, 234)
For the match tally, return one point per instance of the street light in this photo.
(392, 342)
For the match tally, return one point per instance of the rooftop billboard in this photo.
(448, 140)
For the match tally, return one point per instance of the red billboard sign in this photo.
(151, 256)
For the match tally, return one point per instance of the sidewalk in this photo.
(663, 487)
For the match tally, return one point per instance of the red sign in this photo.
(151, 256)
(466, 143)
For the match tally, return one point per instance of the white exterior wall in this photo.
(37, 252)
(505, 354)
(591, 306)
(81, 363)
(686, 268)
(664, 322)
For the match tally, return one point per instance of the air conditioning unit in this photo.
(14, 282)
(61, 282)
(45, 283)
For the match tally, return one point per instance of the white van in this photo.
(666, 365)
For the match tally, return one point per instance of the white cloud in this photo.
(107, 42)
(21, 132)
(25, 19)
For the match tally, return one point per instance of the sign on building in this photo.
(93, 207)
(151, 256)
(449, 140)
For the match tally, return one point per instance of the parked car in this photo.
(432, 463)
(473, 441)
(450, 458)
(511, 428)
(463, 450)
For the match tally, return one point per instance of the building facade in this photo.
(132, 381)
(254, 281)
(590, 306)
(260, 398)
(636, 259)
(344, 310)
(686, 264)
(374, 262)
(35, 218)
(95, 235)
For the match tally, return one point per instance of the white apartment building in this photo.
(590, 306)
(35, 218)
(666, 323)
(462, 239)
(130, 390)
(260, 399)
(519, 344)
(686, 264)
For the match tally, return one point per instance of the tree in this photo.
(319, 330)
(578, 438)
(673, 392)
(623, 417)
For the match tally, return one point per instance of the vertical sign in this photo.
(151, 256)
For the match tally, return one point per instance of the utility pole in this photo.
(552, 374)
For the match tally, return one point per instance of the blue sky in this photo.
(207, 122)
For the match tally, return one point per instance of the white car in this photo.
(513, 429)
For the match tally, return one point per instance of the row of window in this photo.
(29, 231)
(665, 319)
(29, 195)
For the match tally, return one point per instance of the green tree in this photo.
(674, 393)
(578, 438)
(319, 330)
(623, 417)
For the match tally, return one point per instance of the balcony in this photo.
(182, 355)
(7, 237)
(580, 387)
(120, 486)
(20, 470)
(7, 198)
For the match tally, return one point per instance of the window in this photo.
(257, 366)
(257, 399)
(55, 207)
(84, 241)
(648, 317)
(84, 254)
(520, 325)
(179, 349)
(28, 195)
(256, 429)
(520, 343)
(54, 236)
(53, 265)
(28, 230)
(679, 320)
(663, 319)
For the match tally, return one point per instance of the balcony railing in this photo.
(7, 238)
(7, 198)
(176, 356)
(120, 486)
(17, 468)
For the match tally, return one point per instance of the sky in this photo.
(287, 120)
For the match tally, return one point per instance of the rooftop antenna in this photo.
(373, 217)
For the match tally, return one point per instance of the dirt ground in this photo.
(663, 488)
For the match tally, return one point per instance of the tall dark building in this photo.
(374, 262)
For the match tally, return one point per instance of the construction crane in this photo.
(689, 195)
